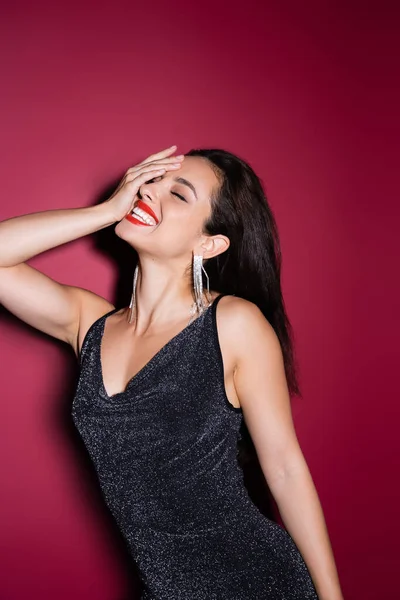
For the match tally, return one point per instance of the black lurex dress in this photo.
(165, 452)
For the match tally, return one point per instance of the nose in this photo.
(148, 191)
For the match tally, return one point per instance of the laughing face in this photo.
(170, 210)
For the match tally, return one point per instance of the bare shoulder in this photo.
(244, 327)
(91, 307)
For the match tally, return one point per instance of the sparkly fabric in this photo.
(165, 451)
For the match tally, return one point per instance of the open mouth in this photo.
(142, 215)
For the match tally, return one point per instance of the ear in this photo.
(213, 245)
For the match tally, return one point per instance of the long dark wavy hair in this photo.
(251, 267)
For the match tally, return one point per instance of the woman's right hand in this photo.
(122, 200)
(60, 310)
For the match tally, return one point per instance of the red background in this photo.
(307, 94)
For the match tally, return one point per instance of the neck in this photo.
(163, 295)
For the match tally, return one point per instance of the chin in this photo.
(125, 231)
(119, 229)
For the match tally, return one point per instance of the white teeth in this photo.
(143, 216)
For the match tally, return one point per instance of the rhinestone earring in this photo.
(198, 269)
(132, 304)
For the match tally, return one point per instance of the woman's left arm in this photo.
(261, 386)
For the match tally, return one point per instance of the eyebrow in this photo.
(186, 182)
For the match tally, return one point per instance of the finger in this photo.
(150, 173)
(178, 157)
(134, 184)
(159, 164)
(160, 154)
(145, 175)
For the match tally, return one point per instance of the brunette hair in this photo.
(251, 267)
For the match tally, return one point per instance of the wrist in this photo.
(105, 214)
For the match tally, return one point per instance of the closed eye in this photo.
(179, 196)
(173, 193)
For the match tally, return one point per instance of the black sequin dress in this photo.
(165, 451)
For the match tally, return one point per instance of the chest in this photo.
(124, 357)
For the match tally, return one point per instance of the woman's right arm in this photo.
(63, 311)
(54, 308)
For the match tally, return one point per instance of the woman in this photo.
(166, 383)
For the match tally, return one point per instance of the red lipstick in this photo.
(146, 208)
(143, 206)
(135, 221)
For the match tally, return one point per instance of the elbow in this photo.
(286, 470)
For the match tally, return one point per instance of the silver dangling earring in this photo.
(198, 269)
(132, 304)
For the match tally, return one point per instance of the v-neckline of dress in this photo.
(151, 361)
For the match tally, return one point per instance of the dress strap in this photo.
(218, 298)
(215, 302)
(91, 329)
(213, 308)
